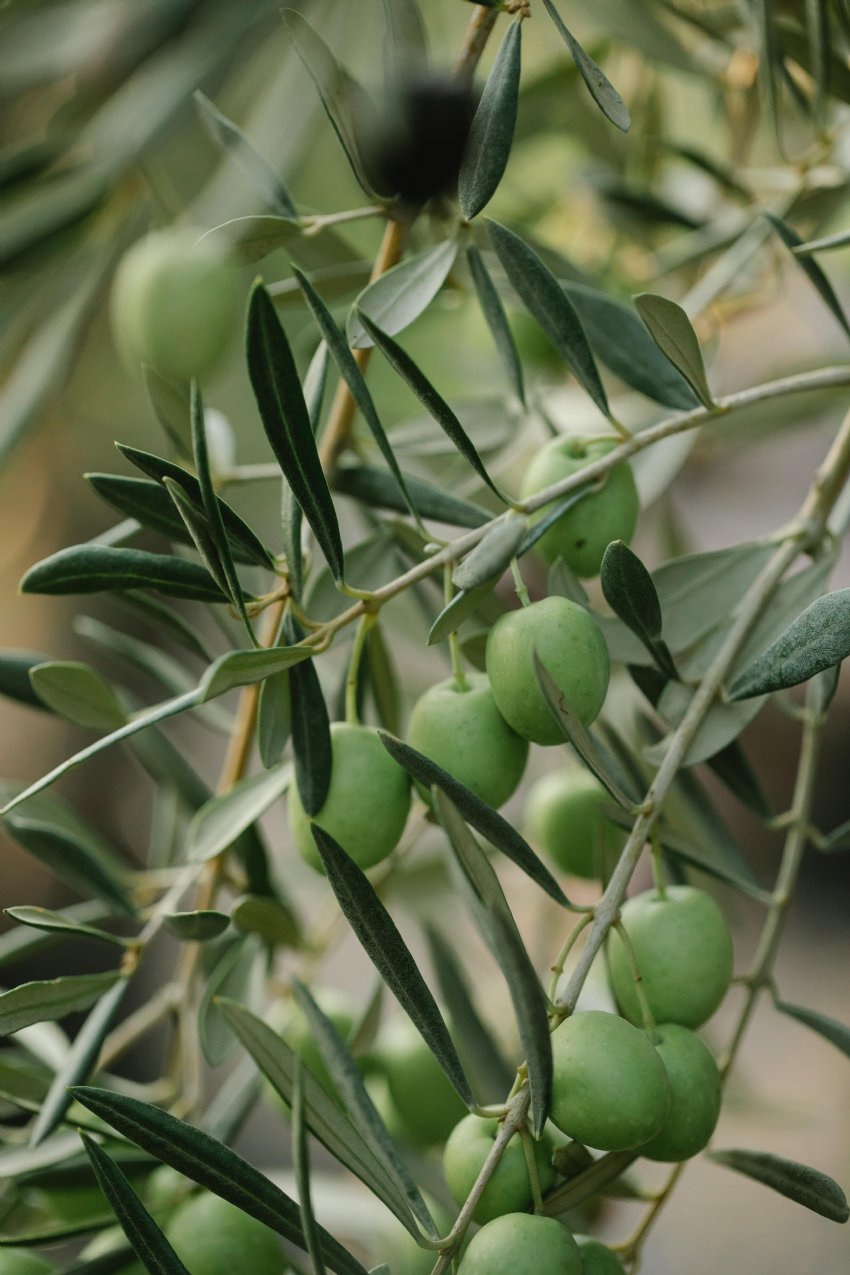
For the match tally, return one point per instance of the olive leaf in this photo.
(631, 593)
(817, 640)
(400, 295)
(815, 275)
(671, 330)
(496, 319)
(78, 693)
(491, 135)
(830, 1029)
(233, 142)
(491, 556)
(93, 568)
(809, 1187)
(51, 999)
(601, 89)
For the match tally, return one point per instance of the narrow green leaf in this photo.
(274, 718)
(165, 619)
(15, 675)
(601, 89)
(196, 524)
(211, 1165)
(147, 1240)
(342, 97)
(20, 943)
(398, 297)
(80, 1060)
(79, 693)
(91, 568)
(496, 319)
(159, 713)
(60, 924)
(815, 275)
(631, 594)
(212, 507)
(377, 932)
(500, 932)
(671, 330)
(462, 605)
(47, 1001)
(311, 732)
(830, 242)
(483, 818)
(406, 35)
(74, 854)
(243, 668)
(301, 1167)
(260, 914)
(232, 142)
(235, 973)
(377, 488)
(224, 818)
(359, 1106)
(403, 364)
(619, 338)
(196, 927)
(278, 1063)
(170, 403)
(836, 1033)
(383, 680)
(809, 1187)
(479, 1048)
(539, 528)
(817, 640)
(245, 545)
(545, 299)
(492, 555)
(491, 135)
(353, 377)
(286, 420)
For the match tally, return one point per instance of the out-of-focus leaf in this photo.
(79, 693)
(836, 1033)
(839, 240)
(274, 718)
(546, 301)
(301, 1167)
(809, 1187)
(233, 142)
(492, 132)
(817, 640)
(234, 973)
(434, 403)
(342, 97)
(816, 276)
(492, 555)
(46, 1001)
(147, 1240)
(383, 680)
(601, 89)
(242, 668)
(379, 936)
(61, 925)
(79, 1062)
(398, 297)
(497, 321)
(476, 812)
(498, 928)
(671, 330)
(18, 944)
(90, 568)
(212, 1165)
(15, 676)
(286, 420)
(267, 917)
(196, 927)
(377, 488)
(619, 338)
(311, 736)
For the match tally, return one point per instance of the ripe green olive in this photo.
(583, 533)
(683, 950)
(694, 1095)
(22, 1261)
(568, 641)
(508, 1189)
(564, 814)
(464, 732)
(597, 1258)
(175, 303)
(367, 803)
(211, 1236)
(426, 1104)
(522, 1242)
(610, 1088)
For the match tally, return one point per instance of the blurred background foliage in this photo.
(737, 108)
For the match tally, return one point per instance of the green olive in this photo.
(367, 803)
(564, 814)
(597, 1258)
(508, 1190)
(694, 1095)
(683, 950)
(175, 303)
(583, 533)
(569, 643)
(212, 1236)
(519, 1244)
(463, 731)
(610, 1088)
(426, 1105)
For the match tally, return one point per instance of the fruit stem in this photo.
(351, 682)
(657, 864)
(531, 1165)
(454, 642)
(558, 967)
(646, 1015)
(519, 584)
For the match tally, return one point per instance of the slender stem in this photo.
(477, 34)
(647, 1017)
(519, 584)
(560, 961)
(352, 678)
